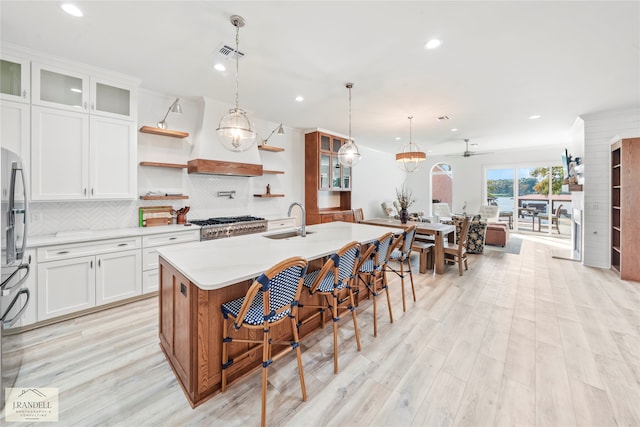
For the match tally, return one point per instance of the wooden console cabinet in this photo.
(625, 205)
(327, 182)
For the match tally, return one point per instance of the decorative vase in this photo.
(404, 216)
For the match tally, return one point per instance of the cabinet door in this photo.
(113, 99)
(14, 79)
(113, 158)
(14, 128)
(59, 88)
(118, 276)
(59, 154)
(325, 171)
(66, 286)
(150, 280)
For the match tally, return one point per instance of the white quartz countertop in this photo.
(76, 236)
(218, 263)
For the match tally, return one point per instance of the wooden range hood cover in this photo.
(221, 167)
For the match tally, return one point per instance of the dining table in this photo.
(437, 230)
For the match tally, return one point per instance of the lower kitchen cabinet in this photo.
(118, 276)
(66, 286)
(150, 246)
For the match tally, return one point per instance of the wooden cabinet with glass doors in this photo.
(327, 182)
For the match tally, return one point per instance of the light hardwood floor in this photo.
(523, 339)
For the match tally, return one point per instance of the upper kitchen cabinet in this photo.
(77, 156)
(14, 78)
(14, 127)
(75, 91)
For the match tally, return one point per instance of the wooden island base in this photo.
(191, 333)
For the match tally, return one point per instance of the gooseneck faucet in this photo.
(303, 231)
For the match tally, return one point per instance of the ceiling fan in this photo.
(468, 153)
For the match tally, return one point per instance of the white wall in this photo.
(601, 130)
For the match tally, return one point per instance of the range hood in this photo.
(209, 156)
(222, 167)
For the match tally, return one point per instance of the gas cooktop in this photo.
(219, 227)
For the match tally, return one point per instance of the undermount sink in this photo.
(285, 234)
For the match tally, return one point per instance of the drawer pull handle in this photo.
(122, 244)
(63, 252)
(172, 238)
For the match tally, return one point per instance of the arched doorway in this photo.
(442, 184)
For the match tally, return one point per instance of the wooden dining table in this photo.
(437, 230)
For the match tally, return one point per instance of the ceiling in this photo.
(499, 63)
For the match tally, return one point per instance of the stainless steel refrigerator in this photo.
(14, 298)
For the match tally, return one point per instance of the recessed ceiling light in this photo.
(397, 138)
(71, 9)
(299, 98)
(535, 116)
(220, 67)
(454, 130)
(432, 44)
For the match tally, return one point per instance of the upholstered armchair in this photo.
(442, 211)
(489, 213)
(476, 235)
(389, 210)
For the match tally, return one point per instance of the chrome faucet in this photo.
(303, 231)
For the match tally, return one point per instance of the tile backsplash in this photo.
(51, 217)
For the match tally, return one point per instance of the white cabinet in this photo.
(66, 286)
(150, 246)
(76, 156)
(14, 128)
(77, 91)
(14, 78)
(118, 276)
(79, 276)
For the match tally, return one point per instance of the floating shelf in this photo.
(163, 197)
(575, 187)
(163, 165)
(270, 148)
(265, 172)
(268, 195)
(164, 132)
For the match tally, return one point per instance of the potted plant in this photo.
(405, 199)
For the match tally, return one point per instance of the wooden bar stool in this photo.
(271, 299)
(372, 273)
(334, 282)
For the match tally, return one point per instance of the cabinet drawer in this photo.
(58, 252)
(171, 238)
(149, 258)
(277, 224)
(150, 281)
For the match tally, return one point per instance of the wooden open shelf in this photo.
(270, 148)
(163, 197)
(268, 195)
(575, 187)
(164, 132)
(164, 165)
(270, 172)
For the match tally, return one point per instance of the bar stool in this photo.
(332, 282)
(371, 272)
(271, 299)
(402, 253)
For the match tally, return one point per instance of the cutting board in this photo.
(155, 215)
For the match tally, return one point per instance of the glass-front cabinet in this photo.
(70, 90)
(14, 79)
(333, 176)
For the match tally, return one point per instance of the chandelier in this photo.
(411, 156)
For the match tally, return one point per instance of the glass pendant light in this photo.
(235, 128)
(349, 155)
(411, 156)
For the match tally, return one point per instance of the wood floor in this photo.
(525, 340)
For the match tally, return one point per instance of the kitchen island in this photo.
(197, 278)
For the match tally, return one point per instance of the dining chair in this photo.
(457, 252)
(271, 299)
(334, 283)
(402, 253)
(555, 219)
(372, 273)
(358, 215)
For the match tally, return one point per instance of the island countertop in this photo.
(218, 263)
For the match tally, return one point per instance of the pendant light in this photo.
(411, 156)
(235, 128)
(349, 155)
